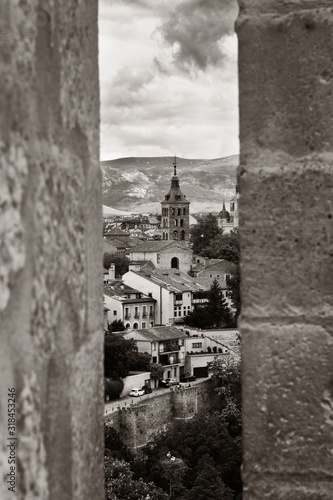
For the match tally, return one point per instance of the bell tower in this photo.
(175, 212)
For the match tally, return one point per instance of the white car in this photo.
(137, 392)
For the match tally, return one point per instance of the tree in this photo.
(119, 483)
(217, 308)
(203, 233)
(117, 353)
(121, 263)
(116, 326)
(113, 388)
(208, 484)
(214, 314)
(226, 373)
(224, 246)
(156, 370)
(234, 286)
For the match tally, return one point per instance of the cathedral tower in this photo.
(175, 212)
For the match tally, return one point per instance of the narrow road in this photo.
(127, 401)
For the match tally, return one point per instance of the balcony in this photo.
(144, 315)
(137, 315)
(178, 302)
(151, 315)
(127, 316)
(169, 359)
(169, 347)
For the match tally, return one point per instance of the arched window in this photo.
(184, 211)
(176, 222)
(181, 222)
(174, 263)
(166, 236)
(127, 325)
(135, 326)
(182, 235)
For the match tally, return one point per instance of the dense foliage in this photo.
(121, 355)
(203, 233)
(116, 326)
(121, 263)
(194, 460)
(214, 314)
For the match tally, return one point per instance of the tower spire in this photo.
(175, 166)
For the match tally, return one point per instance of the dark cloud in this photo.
(195, 30)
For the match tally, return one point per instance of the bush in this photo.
(113, 388)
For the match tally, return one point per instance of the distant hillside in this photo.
(140, 184)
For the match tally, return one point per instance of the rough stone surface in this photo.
(286, 211)
(50, 248)
(140, 422)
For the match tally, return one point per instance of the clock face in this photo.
(175, 235)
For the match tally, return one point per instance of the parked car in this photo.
(147, 389)
(187, 378)
(168, 382)
(137, 392)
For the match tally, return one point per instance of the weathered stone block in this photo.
(288, 400)
(287, 238)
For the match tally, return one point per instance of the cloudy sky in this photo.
(168, 78)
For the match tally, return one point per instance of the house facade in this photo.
(134, 308)
(176, 293)
(163, 254)
(165, 344)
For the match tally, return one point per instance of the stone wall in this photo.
(50, 252)
(138, 423)
(286, 210)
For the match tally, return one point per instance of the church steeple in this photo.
(175, 211)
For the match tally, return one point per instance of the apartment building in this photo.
(131, 306)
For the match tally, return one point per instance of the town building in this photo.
(131, 306)
(163, 254)
(165, 344)
(228, 220)
(176, 293)
(175, 212)
(219, 269)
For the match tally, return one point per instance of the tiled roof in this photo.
(119, 291)
(151, 246)
(158, 333)
(155, 246)
(175, 280)
(115, 231)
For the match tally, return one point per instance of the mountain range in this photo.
(138, 184)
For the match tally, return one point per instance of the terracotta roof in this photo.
(158, 333)
(156, 245)
(176, 281)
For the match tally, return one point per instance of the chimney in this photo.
(112, 272)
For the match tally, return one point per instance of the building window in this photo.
(174, 263)
(135, 326)
(197, 345)
(176, 222)
(175, 312)
(114, 313)
(151, 311)
(179, 296)
(181, 222)
(127, 325)
(143, 325)
(153, 346)
(182, 235)
(184, 211)
(154, 359)
(178, 211)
